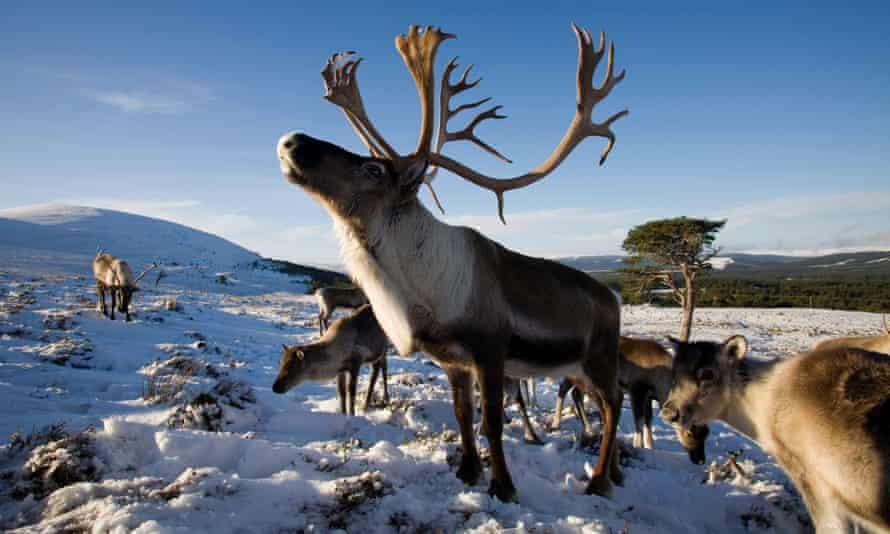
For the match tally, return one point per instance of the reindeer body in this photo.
(824, 416)
(644, 373)
(116, 277)
(349, 343)
(481, 311)
(331, 298)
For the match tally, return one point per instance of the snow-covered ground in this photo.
(188, 436)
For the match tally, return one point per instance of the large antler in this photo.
(581, 127)
(341, 88)
(446, 91)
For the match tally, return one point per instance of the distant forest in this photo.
(871, 294)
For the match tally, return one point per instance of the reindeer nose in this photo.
(288, 142)
(300, 151)
(669, 412)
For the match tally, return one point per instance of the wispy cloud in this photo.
(141, 102)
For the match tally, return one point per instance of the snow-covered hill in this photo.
(60, 238)
(188, 436)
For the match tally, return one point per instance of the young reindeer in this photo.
(879, 343)
(824, 416)
(479, 310)
(331, 298)
(350, 342)
(644, 373)
(115, 276)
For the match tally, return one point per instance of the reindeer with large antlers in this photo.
(479, 310)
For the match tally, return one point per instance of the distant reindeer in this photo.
(350, 342)
(823, 415)
(331, 298)
(115, 276)
(879, 343)
(644, 373)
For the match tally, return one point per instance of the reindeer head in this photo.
(353, 187)
(292, 370)
(703, 375)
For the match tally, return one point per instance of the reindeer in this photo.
(479, 310)
(331, 298)
(116, 277)
(879, 343)
(644, 372)
(823, 415)
(350, 342)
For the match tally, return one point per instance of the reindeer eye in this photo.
(374, 169)
(706, 375)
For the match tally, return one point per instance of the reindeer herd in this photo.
(491, 317)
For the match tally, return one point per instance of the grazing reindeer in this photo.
(350, 342)
(879, 343)
(824, 416)
(644, 372)
(116, 277)
(331, 298)
(479, 310)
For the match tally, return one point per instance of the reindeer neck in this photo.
(747, 410)
(411, 266)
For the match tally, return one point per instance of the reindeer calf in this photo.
(823, 415)
(644, 372)
(331, 298)
(879, 343)
(349, 343)
(115, 276)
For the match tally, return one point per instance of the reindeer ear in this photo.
(411, 176)
(283, 346)
(734, 349)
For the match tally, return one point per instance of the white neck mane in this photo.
(419, 268)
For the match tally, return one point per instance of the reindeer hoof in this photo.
(599, 485)
(470, 470)
(506, 492)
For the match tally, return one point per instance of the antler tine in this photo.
(341, 88)
(418, 51)
(446, 92)
(581, 127)
(154, 265)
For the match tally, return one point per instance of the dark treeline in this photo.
(867, 294)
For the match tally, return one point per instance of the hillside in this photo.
(63, 239)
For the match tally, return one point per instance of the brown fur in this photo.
(331, 298)
(349, 343)
(644, 373)
(478, 309)
(824, 415)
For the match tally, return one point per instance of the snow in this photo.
(290, 462)
(720, 263)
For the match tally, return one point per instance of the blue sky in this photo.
(775, 116)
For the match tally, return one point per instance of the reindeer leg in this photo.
(100, 303)
(353, 385)
(528, 432)
(637, 406)
(587, 434)
(113, 293)
(648, 441)
(491, 381)
(614, 467)
(384, 367)
(605, 386)
(564, 388)
(375, 369)
(462, 393)
(341, 391)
